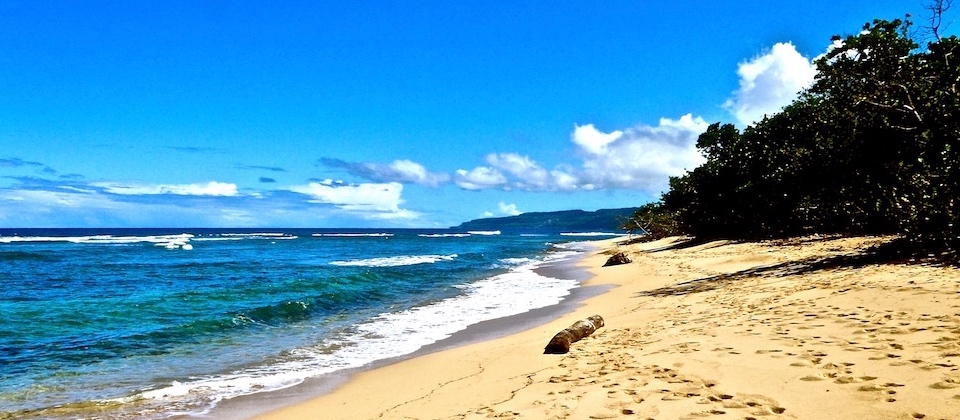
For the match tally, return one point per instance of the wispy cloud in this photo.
(65, 203)
(211, 188)
(402, 171)
(769, 82)
(265, 180)
(69, 206)
(195, 149)
(372, 201)
(261, 168)
(17, 162)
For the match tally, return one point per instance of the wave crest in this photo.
(395, 261)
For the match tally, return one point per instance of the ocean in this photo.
(152, 323)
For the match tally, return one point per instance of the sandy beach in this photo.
(798, 329)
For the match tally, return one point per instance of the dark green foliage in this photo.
(652, 220)
(871, 147)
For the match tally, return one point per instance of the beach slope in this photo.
(801, 329)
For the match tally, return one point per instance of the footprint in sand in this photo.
(853, 380)
(949, 383)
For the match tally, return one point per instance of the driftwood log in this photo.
(617, 259)
(560, 344)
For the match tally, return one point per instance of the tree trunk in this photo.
(560, 344)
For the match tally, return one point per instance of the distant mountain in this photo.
(606, 220)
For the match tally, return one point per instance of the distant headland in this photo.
(604, 220)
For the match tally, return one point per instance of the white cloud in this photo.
(524, 174)
(480, 178)
(73, 208)
(528, 174)
(410, 171)
(403, 171)
(72, 205)
(376, 201)
(638, 158)
(509, 209)
(769, 82)
(48, 200)
(644, 157)
(592, 140)
(213, 188)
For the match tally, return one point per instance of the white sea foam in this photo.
(484, 232)
(516, 261)
(265, 235)
(353, 235)
(258, 234)
(590, 234)
(179, 241)
(443, 235)
(396, 261)
(385, 336)
(168, 241)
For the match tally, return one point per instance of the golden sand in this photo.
(722, 330)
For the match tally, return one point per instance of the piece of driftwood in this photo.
(617, 259)
(560, 344)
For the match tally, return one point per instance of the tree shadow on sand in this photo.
(899, 251)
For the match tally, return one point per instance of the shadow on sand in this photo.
(898, 251)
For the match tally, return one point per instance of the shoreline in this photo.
(797, 329)
(260, 404)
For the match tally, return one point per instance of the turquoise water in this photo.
(148, 323)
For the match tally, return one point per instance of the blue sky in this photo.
(380, 113)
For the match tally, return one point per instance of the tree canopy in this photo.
(872, 147)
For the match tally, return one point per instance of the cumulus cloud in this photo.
(376, 201)
(638, 158)
(480, 178)
(521, 173)
(402, 171)
(509, 209)
(212, 188)
(592, 140)
(528, 173)
(769, 82)
(644, 157)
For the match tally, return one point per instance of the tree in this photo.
(653, 220)
(872, 147)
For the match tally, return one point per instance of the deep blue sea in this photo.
(149, 323)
